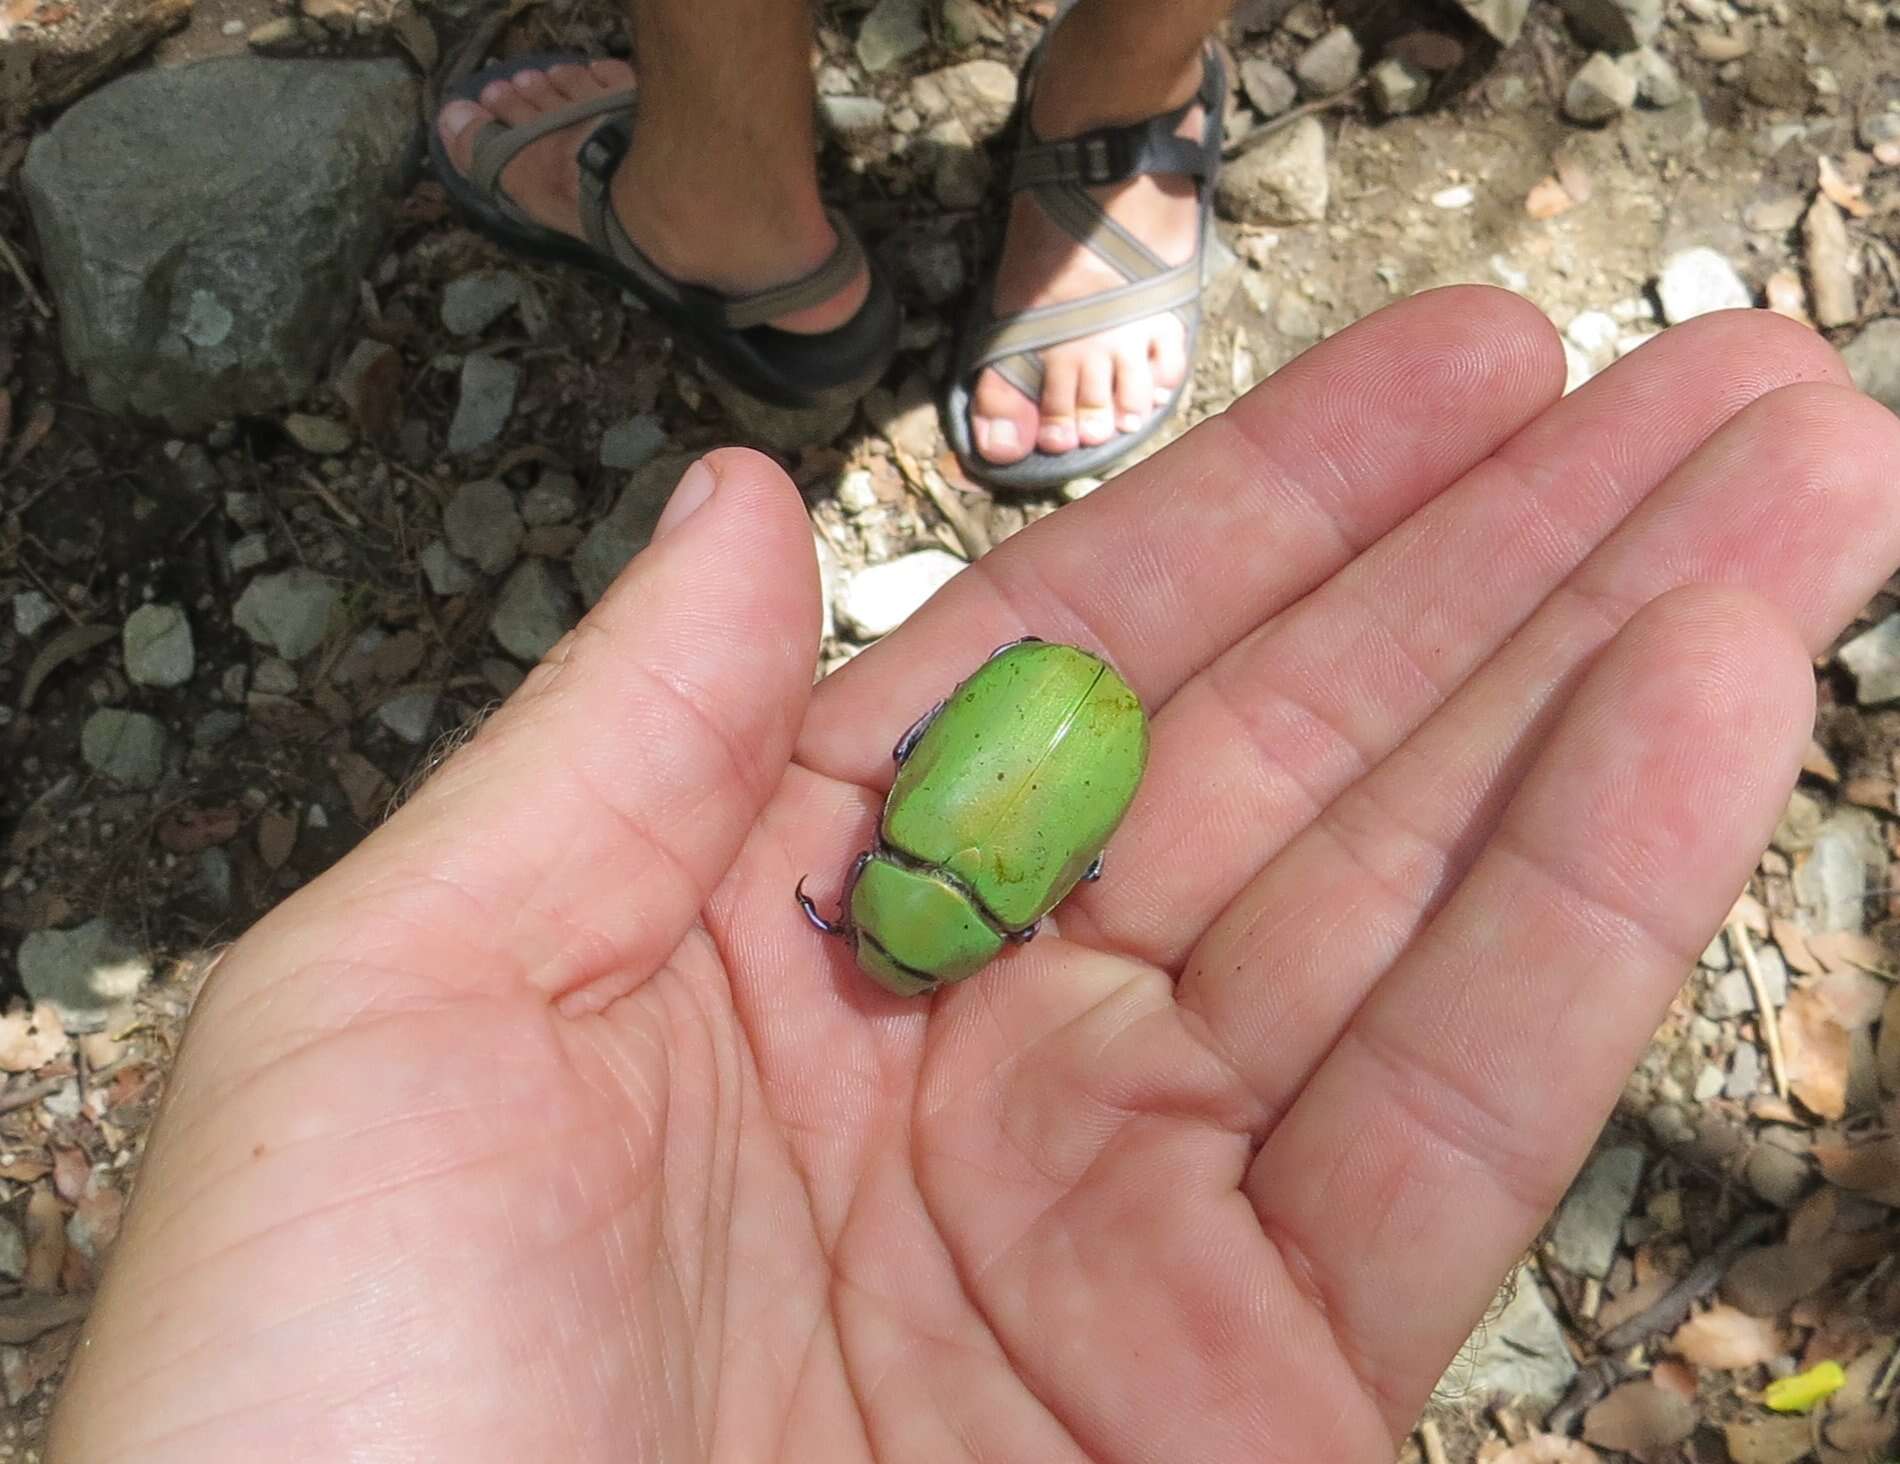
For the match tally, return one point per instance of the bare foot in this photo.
(1097, 386)
(748, 237)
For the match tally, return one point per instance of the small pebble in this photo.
(32, 612)
(1699, 281)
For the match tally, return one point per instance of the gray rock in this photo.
(554, 499)
(1708, 1082)
(482, 525)
(1502, 19)
(214, 877)
(1873, 357)
(535, 610)
(1732, 994)
(127, 747)
(1398, 87)
(628, 525)
(893, 30)
(934, 265)
(1874, 658)
(1833, 883)
(204, 227)
(84, 972)
(979, 94)
(1615, 26)
(881, 597)
(1282, 181)
(1715, 955)
(1590, 1220)
(12, 1250)
(1800, 823)
(158, 648)
(1658, 84)
(1698, 281)
(32, 612)
(633, 443)
(1776, 1175)
(472, 303)
(216, 727)
(782, 429)
(959, 171)
(446, 574)
(277, 677)
(1599, 91)
(409, 715)
(249, 553)
(1257, 17)
(1520, 1353)
(289, 612)
(487, 397)
(1744, 1073)
(1330, 64)
(1670, 1125)
(853, 118)
(1269, 88)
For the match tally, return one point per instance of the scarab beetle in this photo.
(1006, 793)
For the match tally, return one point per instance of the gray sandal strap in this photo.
(1051, 325)
(499, 143)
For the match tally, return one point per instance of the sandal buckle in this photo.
(1104, 157)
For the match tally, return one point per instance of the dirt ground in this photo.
(284, 768)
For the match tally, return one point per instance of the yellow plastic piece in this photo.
(1802, 1391)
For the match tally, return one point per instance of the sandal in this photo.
(1059, 174)
(779, 367)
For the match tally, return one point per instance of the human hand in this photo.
(544, 1127)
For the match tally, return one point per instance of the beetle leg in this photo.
(1026, 934)
(1021, 640)
(842, 925)
(1094, 871)
(909, 740)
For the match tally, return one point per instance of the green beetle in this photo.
(1006, 793)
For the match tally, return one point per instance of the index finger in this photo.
(1178, 558)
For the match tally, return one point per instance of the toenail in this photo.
(458, 117)
(1131, 421)
(1001, 433)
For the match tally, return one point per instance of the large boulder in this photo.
(205, 227)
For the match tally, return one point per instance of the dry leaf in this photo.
(1813, 1218)
(1723, 1337)
(22, 1318)
(1868, 1428)
(1638, 1299)
(1677, 1377)
(1792, 940)
(1574, 177)
(1547, 199)
(25, 1171)
(1766, 1280)
(71, 1169)
(276, 837)
(1641, 1419)
(193, 829)
(1842, 194)
(1549, 1449)
(1853, 948)
(69, 645)
(1768, 1440)
(45, 1240)
(1852, 997)
(1816, 763)
(30, 1039)
(1818, 1054)
(39, 422)
(1871, 1169)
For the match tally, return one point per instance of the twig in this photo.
(18, 267)
(1887, 1376)
(1431, 1443)
(330, 500)
(32, 1093)
(1266, 129)
(1663, 1314)
(972, 535)
(1770, 1024)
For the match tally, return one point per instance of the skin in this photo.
(720, 187)
(544, 1126)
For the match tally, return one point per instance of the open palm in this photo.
(544, 1127)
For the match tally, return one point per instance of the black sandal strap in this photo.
(1110, 155)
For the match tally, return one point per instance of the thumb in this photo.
(573, 842)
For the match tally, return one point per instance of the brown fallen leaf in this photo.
(1677, 1377)
(276, 837)
(1845, 948)
(1871, 1169)
(25, 1171)
(39, 422)
(1817, 1052)
(71, 1169)
(1641, 1419)
(191, 830)
(1817, 763)
(45, 1240)
(1766, 1280)
(1791, 938)
(1847, 196)
(1547, 199)
(1634, 1302)
(1724, 1337)
(1768, 1440)
(69, 645)
(1813, 1219)
(1549, 1449)
(30, 1039)
(1852, 997)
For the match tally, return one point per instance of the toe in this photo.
(540, 92)
(1095, 399)
(1057, 430)
(508, 102)
(1134, 385)
(1002, 420)
(612, 75)
(1170, 357)
(458, 124)
(573, 81)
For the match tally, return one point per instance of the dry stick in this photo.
(1887, 1375)
(1431, 1443)
(1664, 1314)
(31, 1093)
(971, 534)
(1247, 141)
(18, 267)
(1770, 1025)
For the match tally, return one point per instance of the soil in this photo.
(281, 777)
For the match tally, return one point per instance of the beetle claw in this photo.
(1094, 871)
(1027, 933)
(1021, 640)
(829, 927)
(910, 739)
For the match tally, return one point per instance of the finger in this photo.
(1792, 501)
(1180, 556)
(1459, 1103)
(573, 842)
